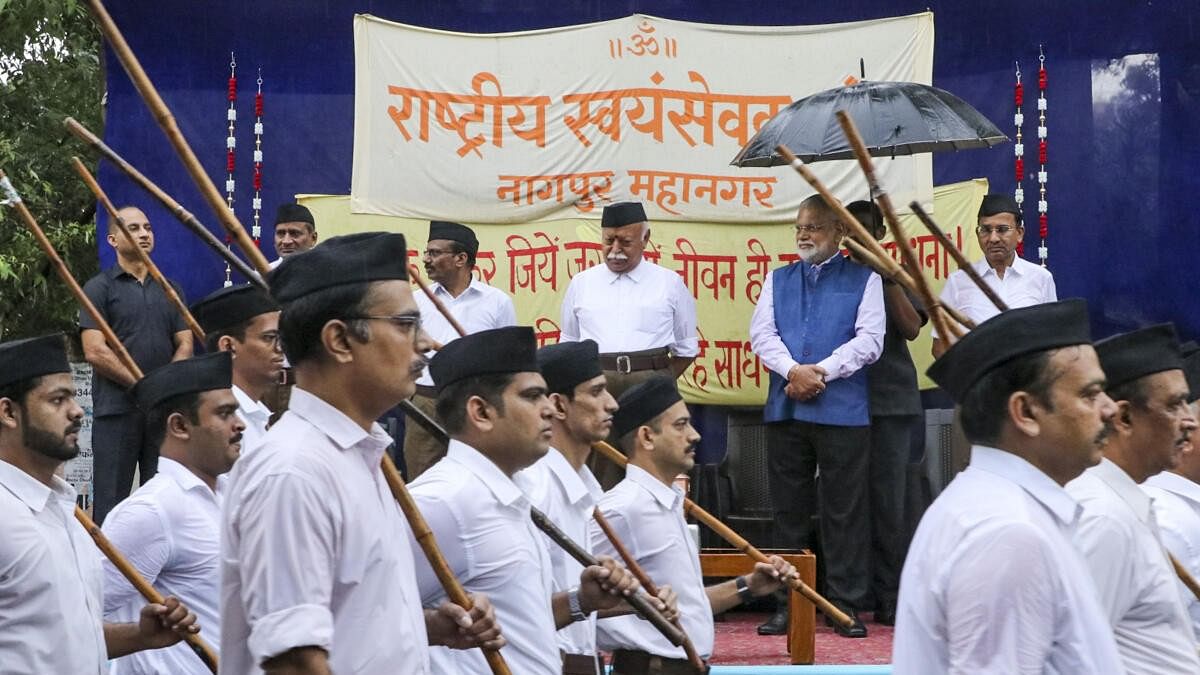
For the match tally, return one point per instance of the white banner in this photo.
(553, 124)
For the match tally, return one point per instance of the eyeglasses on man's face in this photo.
(409, 323)
(811, 228)
(985, 231)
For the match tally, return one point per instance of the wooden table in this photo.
(802, 614)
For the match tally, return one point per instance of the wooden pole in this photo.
(737, 541)
(183, 215)
(416, 276)
(13, 199)
(424, 536)
(156, 273)
(647, 583)
(963, 264)
(162, 115)
(1185, 576)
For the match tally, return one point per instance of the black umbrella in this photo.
(895, 118)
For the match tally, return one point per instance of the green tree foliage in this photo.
(49, 69)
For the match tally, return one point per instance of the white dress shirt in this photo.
(992, 583)
(480, 518)
(480, 307)
(255, 415)
(50, 599)
(170, 530)
(646, 308)
(1118, 537)
(860, 351)
(568, 498)
(1024, 284)
(315, 550)
(647, 516)
(1177, 510)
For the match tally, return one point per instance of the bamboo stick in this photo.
(166, 121)
(181, 214)
(416, 276)
(1185, 576)
(156, 273)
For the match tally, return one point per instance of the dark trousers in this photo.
(795, 452)
(891, 437)
(118, 447)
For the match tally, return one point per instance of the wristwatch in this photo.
(573, 602)
(743, 590)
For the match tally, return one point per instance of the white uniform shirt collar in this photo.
(499, 484)
(35, 494)
(637, 274)
(183, 476)
(577, 485)
(1177, 485)
(474, 286)
(342, 430)
(249, 405)
(666, 495)
(1019, 266)
(1030, 478)
(1119, 482)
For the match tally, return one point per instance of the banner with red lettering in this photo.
(553, 124)
(722, 265)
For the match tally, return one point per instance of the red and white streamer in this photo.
(230, 146)
(1043, 174)
(258, 161)
(1019, 147)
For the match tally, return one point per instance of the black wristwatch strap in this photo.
(743, 590)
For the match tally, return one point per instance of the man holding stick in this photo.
(155, 334)
(818, 323)
(646, 512)
(562, 486)
(244, 321)
(1117, 532)
(317, 574)
(1018, 282)
(449, 258)
(493, 402)
(992, 582)
(51, 603)
(171, 526)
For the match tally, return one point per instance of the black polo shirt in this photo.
(892, 379)
(144, 320)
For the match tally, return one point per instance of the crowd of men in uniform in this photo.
(282, 543)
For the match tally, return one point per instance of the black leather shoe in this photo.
(857, 630)
(886, 616)
(776, 625)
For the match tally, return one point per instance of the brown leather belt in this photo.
(578, 664)
(632, 362)
(628, 662)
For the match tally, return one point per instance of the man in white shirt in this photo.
(170, 526)
(449, 258)
(295, 231)
(1018, 282)
(640, 314)
(493, 402)
(1176, 494)
(317, 573)
(244, 321)
(51, 608)
(1118, 534)
(817, 325)
(646, 512)
(992, 583)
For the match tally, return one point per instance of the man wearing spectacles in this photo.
(448, 260)
(817, 324)
(1018, 282)
(244, 321)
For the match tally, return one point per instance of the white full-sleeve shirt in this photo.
(170, 530)
(645, 308)
(480, 307)
(992, 583)
(50, 581)
(315, 550)
(1117, 536)
(1177, 511)
(1024, 284)
(255, 415)
(567, 497)
(480, 518)
(647, 516)
(860, 351)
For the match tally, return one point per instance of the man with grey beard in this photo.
(818, 323)
(641, 315)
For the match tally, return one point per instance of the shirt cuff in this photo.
(287, 629)
(832, 367)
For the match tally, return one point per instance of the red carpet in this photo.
(739, 644)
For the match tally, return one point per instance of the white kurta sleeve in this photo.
(764, 333)
(508, 313)
(138, 530)
(867, 344)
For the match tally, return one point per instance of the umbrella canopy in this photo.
(894, 118)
